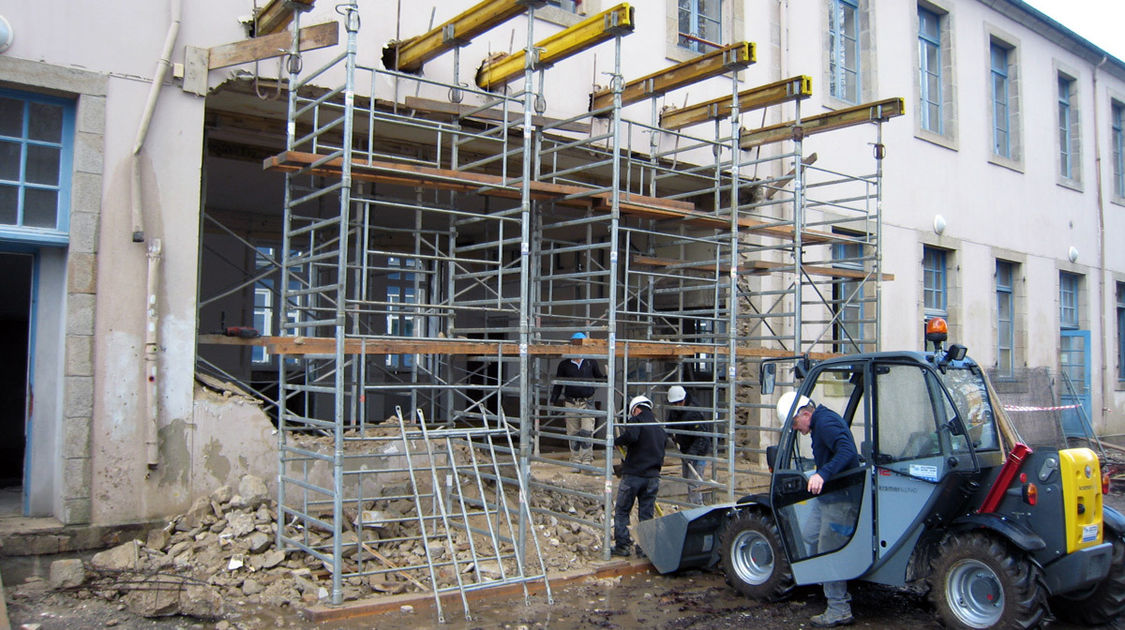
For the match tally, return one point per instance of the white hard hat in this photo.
(676, 394)
(639, 400)
(785, 405)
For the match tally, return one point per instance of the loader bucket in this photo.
(683, 540)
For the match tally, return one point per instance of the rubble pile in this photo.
(221, 553)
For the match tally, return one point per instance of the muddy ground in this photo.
(693, 600)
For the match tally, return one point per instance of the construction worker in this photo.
(643, 439)
(833, 516)
(577, 399)
(686, 423)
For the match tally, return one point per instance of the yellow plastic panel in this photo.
(1082, 497)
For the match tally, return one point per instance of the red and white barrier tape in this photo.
(1019, 408)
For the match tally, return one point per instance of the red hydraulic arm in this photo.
(1011, 466)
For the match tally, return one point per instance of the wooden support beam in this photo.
(277, 14)
(720, 61)
(791, 89)
(879, 111)
(301, 346)
(496, 73)
(410, 54)
(258, 48)
(756, 265)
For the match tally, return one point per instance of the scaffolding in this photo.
(438, 256)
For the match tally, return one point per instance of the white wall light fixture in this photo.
(1072, 254)
(939, 224)
(5, 34)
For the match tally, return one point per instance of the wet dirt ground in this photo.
(692, 600)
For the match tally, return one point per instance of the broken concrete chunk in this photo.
(67, 573)
(272, 558)
(259, 542)
(252, 587)
(157, 539)
(239, 524)
(222, 494)
(123, 557)
(253, 491)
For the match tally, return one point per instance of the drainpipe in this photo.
(1105, 377)
(176, 8)
(155, 249)
(152, 347)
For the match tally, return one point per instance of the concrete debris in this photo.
(124, 557)
(67, 573)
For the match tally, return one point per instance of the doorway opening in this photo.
(15, 401)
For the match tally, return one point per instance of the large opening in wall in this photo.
(15, 326)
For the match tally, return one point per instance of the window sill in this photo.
(38, 236)
(1008, 163)
(1117, 201)
(1072, 184)
(946, 142)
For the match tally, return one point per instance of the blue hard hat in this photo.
(578, 335)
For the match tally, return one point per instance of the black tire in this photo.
(980, 582)
(1106, 601)
(753, 559)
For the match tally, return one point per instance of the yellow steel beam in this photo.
(792, 89)
(732, 57)
(879, 111)
(277, 14)
(409, 55)
(495, 73)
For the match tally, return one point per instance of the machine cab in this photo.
(917, 422)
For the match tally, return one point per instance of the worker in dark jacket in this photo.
(643, 439)
(687, 424)
(577, 400)
(833, 516)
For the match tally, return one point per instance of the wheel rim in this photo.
(752, 556)
(975, 594)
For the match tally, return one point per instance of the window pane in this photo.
(40, 207)
(42, 165)
(10, 161)
(11, 117)
(9, 205)
(45, 122)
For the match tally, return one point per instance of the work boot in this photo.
(830, 618)
(620, 551)
(640, 553)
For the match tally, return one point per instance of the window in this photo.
(929, 71)
(1001, 113)
(843, 50)
(1005, 324)
(36, 145)
(701, 24)
(1068, 301)
(933, 282)
(1068, 130)
(1121, 331)
(847, 299)
(402, 289)
(267, 268)
(1117, 114)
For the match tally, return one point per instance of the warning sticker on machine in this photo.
(929, 473)
(1089, 533)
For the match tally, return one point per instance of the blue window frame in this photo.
(1001, 113)
(934, 282)
(1068, 301)
(700, 24)
(1118, 131)
(1121, 331)
(1066, 166)
(1005, 318)
(36, 160)
(929, 70)
(843, 54)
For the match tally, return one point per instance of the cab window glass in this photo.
(907, 427)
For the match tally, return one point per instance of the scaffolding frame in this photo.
(446, 279)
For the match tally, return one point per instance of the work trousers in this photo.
(632, 488)
(581, 426)
(695, 470)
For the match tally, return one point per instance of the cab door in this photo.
(826, 536)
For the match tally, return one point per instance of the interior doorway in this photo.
(15, 326)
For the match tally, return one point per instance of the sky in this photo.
(1102, 22)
